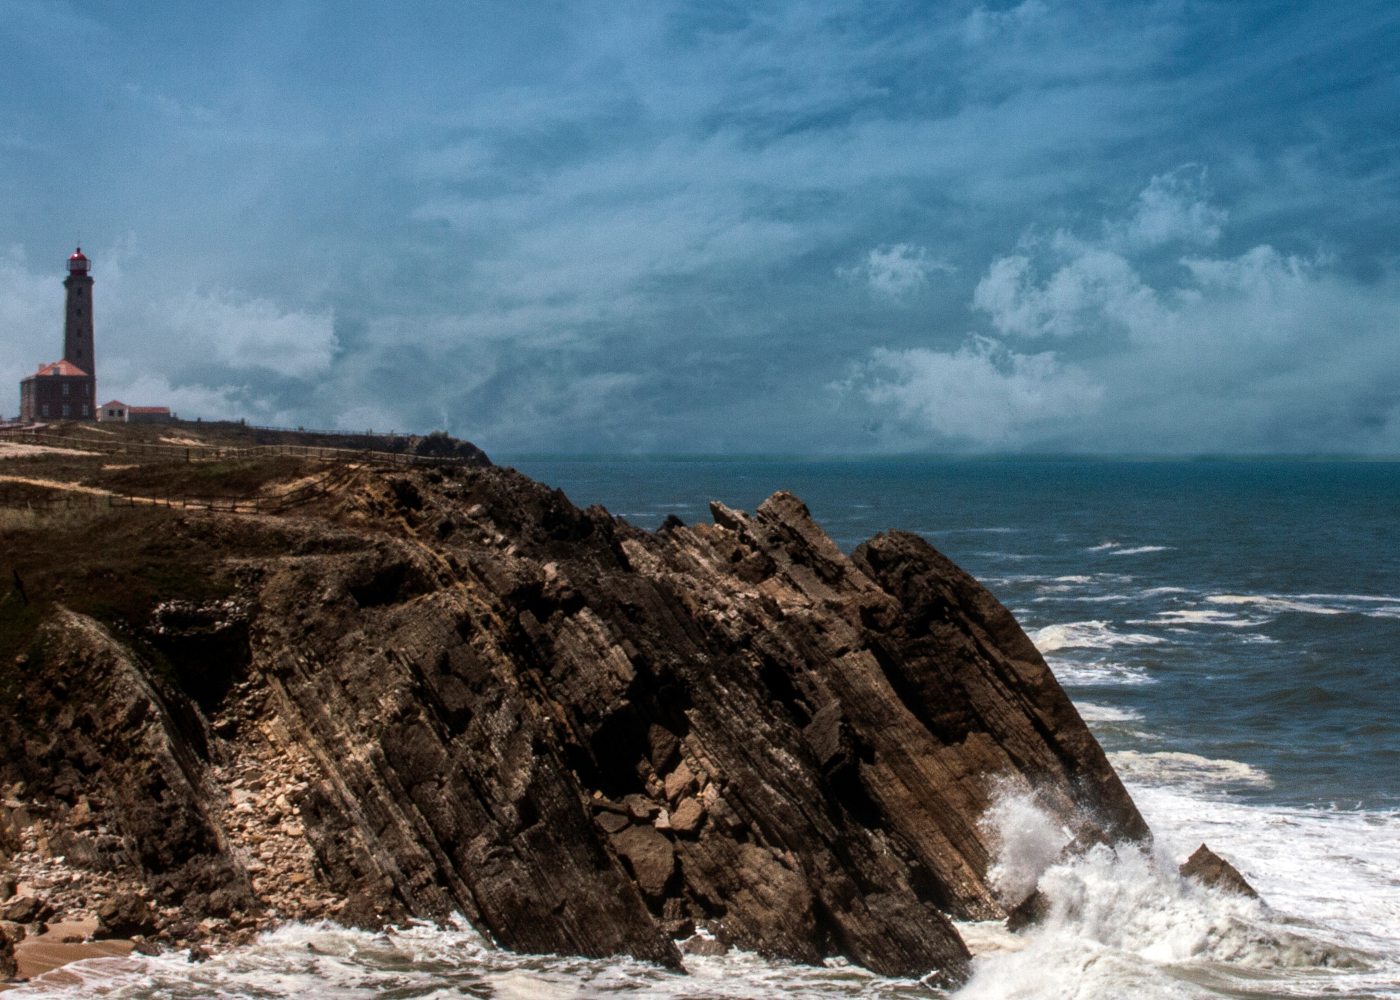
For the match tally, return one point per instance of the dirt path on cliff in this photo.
(231, 504)
(15, 449)
(59, 484)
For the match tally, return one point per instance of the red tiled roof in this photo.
(60, 368)
(114, 403)
(148, 409)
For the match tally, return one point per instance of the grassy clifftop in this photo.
(107, 520)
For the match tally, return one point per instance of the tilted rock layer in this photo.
(454, 692)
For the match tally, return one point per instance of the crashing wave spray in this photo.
(1121, 921)
(1029, 841)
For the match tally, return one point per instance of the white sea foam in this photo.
(1334, 870)
(1277, 603)
(1199, 616)
(1187, 770)
(1055, 594)
(1072, 673)
(1062, 584)
(1119, 549)
(1090, 712)
(974, 531)
(1352, 598)
(1086, 635)
(1122, 596)
(323, 961)
(1369, 605)
(1083, 579)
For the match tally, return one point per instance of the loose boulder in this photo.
(124, 916)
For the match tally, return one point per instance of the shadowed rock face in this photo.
(473, 697)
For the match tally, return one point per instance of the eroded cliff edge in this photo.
(451, 691)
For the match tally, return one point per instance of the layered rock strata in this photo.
(454, 692)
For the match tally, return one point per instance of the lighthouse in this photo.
(67, 389)
(77, 317)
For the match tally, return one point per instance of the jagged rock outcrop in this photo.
(452, 691)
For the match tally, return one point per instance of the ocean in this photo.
(1230, 630)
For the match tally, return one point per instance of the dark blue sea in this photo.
(1229, 629)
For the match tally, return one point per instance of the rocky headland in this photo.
(419, 692)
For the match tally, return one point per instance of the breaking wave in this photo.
(1090, 712)
(1087, 635)
(1199, 616)
(1119, 549)
(1187, 770)
(1098, 673)
(1372, 606)
(1121, 921)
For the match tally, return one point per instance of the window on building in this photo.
(67, 410)
(66, 387)
(85, 410)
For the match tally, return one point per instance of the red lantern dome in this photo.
(78, 263)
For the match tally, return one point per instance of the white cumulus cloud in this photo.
(896, 270)
(1086, 288)
(1257, 350)
(31, 322)
(1174, 208)
(982, 393)
(250, 332)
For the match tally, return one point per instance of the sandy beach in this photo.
(64, 942)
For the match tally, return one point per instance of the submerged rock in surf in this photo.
(1209, 868)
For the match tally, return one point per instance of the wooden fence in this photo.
(71, 499)
(211, 453)
(92, 498)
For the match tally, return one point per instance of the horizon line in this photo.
(1175, 457)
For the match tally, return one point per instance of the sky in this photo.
(741, 228)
